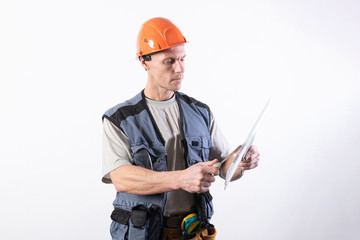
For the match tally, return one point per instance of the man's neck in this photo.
(158, 95)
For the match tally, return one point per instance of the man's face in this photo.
(166, 70)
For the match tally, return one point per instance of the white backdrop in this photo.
(63, 63)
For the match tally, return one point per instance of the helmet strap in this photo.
(146, 57)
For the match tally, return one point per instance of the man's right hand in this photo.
(198, 178)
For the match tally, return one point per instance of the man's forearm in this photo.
(141, 181)
(223, 170)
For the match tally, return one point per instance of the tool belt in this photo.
(146, 222)
(138, 216)
(178, 233)
(189, 224)
(174, 221)
(141, 222)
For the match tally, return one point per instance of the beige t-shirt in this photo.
(116, 149)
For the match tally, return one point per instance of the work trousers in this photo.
(176, 234)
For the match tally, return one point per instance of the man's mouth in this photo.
(179, 78)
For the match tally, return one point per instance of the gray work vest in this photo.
(148, 150)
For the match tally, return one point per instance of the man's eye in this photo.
(170, 61)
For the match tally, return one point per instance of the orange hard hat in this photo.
(158, 34)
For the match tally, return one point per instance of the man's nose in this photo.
(179, 66)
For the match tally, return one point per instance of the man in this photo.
(157, 148)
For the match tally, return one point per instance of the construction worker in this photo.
(159, 148)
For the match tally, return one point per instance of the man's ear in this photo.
(144, 64)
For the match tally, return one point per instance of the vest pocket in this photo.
(153, 158)
(118, 231)
(142, 158)
(197, 149)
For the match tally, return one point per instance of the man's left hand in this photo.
(251, 159)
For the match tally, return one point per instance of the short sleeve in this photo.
(115, 149)
(221, 147)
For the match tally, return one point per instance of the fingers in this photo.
(248, 166)
(251, 159)
(252, 151)
(207, 167)
(199, 177)
(204, 189)
(210, 171)
(209, 163)
(208, 178)
(204, 186)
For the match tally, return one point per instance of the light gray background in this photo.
(63, 63)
